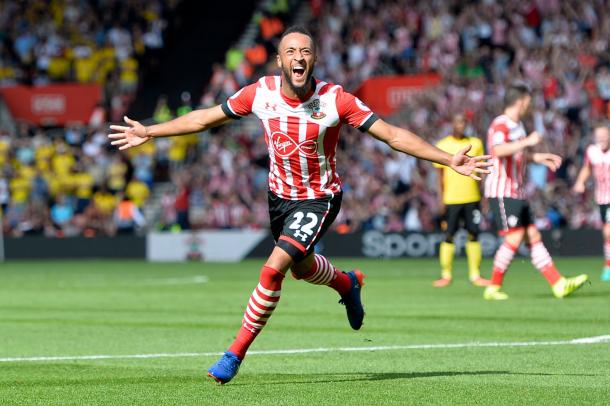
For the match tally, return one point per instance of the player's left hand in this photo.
(551, 161)
(470, 166)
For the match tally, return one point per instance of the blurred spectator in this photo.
(104, 202)
(62, 213)
(162, 111)
(116, 173)
(137, 191)
(181, 205)
(4, 194)
(127, 216)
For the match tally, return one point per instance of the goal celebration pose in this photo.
(301, 117)
(597, 162)
(504, 188)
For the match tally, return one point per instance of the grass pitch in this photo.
(134, 308)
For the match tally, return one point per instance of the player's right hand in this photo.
(470, 166)
(129, 136)
(534, 138)
(551, 161)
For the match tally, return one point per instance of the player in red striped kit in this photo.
(508, 142)
(597, 162)
(301, 117)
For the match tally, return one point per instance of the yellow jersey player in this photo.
(459, 199)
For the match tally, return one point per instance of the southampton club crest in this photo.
(313, 109)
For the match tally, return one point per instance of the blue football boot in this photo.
(225, 369)
(351, 300)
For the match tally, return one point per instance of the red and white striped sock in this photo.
(504, 256)
(607, 252)
(263, 301)
(324, 273)
(544, 263)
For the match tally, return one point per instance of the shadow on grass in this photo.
(575, 295)
(248, 379)
(287, 379)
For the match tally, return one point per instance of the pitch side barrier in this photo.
(118, 247)
(375, 244)
(235, 245)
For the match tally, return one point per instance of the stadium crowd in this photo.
(65, 181)
(69, 183)
(560, 49)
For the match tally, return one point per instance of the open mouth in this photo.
(298, 72)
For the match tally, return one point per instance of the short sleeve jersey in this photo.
(301, 136)
(507, 173)
(459, 189)
(600, 168)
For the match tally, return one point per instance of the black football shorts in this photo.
(604, 210)
(510, 214)
(297, 225)
(468, 213)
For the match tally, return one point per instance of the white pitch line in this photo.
(576, 341)
(177, 281)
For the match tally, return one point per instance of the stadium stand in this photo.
(66, 182)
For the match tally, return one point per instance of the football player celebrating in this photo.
(301, 117)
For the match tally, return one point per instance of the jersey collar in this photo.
(296, 102)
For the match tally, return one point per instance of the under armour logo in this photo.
(270, 106)
(285, 146)
(302, 236)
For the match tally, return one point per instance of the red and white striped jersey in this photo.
(600, 168)
(301, 136)
(507, 173)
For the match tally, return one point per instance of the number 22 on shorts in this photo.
(303, 231)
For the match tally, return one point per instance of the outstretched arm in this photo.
(409, 143)
(135, 134)
(551, 161)
(511, 148)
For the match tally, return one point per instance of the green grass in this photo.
(118, 308)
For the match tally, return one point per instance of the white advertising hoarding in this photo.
(213, 246)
